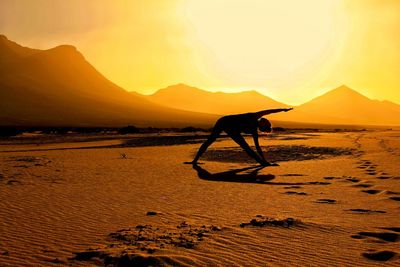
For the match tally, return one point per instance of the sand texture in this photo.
(334, 200)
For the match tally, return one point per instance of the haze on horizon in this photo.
(290, 50)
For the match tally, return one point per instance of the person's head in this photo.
(264, 125)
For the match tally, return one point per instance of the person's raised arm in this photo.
(270, 111)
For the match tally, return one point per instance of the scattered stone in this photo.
(215, 228)
(133, 246)
(267, 221)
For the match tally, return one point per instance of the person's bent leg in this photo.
(203, 148)
(243, 144)
(211, 139)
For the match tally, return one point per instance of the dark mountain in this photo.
(58, 87)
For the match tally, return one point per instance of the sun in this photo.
(264, 43)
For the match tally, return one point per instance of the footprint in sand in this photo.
(366, 211)
(395, 198)
(318, 183)
(384, 255)
(363, 185)
(326, 201)
(392, 193)
(383, 177)
(384, 236)
(332, 178)
(293, 187)
(394, 229)
(353, 180)
(295, 193)
(372, 191)
(13, 182)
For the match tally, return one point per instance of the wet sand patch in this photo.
(276, 153)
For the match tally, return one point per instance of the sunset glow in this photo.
(289, 50)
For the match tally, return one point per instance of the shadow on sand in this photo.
(235, 175)
(245, 175)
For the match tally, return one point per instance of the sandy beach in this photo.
(332, 201)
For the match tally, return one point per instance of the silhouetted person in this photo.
(234, 125)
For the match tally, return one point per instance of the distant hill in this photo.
(345, 106)
(185, 97)
(340, 106)
(58, 87)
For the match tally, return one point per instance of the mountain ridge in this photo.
(341, 105)
(58, 86)
(191, 98)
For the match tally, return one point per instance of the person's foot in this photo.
(192, 162)
(266, 164)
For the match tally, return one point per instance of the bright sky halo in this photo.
(290, 50)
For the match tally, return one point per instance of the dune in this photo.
(128, 201)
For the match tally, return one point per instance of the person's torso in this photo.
(241, 123)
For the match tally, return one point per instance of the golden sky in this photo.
(289, 50)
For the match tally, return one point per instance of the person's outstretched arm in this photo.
(270, 111)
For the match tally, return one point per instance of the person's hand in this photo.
(288, 109)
